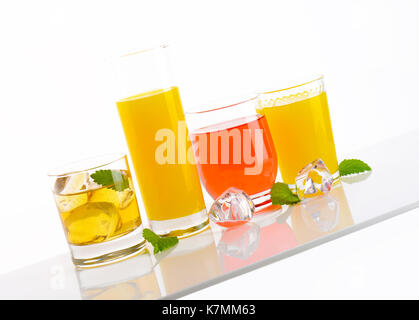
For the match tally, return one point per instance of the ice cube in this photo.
(73, 184)
(90, 223)
(69, 191)
(125, 198)
(232, 208)
(313, 180)
(71, 202)
(60, 183)
(121, 199)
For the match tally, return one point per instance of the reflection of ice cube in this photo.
(91, 222)
(321, 213)
(313, 180)
(232, 208)
(240, 242)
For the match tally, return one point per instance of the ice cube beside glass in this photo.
(232, 208)
(313, 180)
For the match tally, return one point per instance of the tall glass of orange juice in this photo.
(299, 121)
(153, 121)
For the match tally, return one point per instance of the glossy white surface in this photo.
(378, 262)
(219, 254)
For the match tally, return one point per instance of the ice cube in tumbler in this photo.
(313, 180)
(232, 208)
(91, 223)
(69, 191)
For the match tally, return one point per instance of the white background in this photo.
(57, 82)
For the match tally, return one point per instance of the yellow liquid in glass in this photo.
(302, 133)
(98, 215)
(169, 191)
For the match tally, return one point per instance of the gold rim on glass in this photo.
(317, 78)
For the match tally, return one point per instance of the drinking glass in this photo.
(153, 121)
(98, 209)
(299, 121)
(233, 148)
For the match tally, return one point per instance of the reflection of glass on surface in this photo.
(274, 236)
(321, 216)
(129, 279)
(194, 260)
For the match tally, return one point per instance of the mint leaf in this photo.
(112, 179)
(159, 243)
(351, 166)
(281, 194)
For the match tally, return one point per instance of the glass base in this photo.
(271, 208)
(261, 200)
(181, 227)
(104, 253)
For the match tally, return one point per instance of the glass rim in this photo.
(244, 99)
(163, 45)
(60, 171)
(316, 78)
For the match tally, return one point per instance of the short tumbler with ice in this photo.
(98, 209)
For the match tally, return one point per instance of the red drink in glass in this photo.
(236, 153)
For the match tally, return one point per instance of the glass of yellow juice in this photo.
(158, 140)
(299, 120)
(98, 209)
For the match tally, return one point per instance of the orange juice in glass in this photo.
(158, 140)
(299, 121)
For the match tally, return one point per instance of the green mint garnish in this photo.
(351, 166)
(112, 179)
(159, 243)
(281, 194)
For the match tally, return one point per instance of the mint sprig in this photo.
(352, 166)
(159, 243)
(282, 194)
(112, 179)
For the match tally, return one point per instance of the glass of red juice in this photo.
(233, 147)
